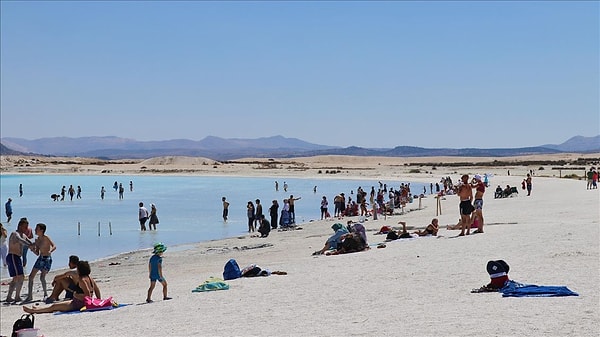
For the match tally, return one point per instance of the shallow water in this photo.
(189, 208)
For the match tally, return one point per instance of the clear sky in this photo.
(369, 74)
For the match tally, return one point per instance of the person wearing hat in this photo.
(333, 241)
(155, 271)
(479, 187)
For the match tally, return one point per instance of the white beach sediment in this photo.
(416, 287)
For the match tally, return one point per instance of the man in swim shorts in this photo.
(16, 242)
(465, 193)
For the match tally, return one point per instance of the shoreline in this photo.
(422, 285)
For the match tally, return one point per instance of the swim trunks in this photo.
(478, 203)
(465, 207)
(43, 263)
(15, 265)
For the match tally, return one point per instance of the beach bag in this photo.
(231, 270)
(25, 322)
(97, 303)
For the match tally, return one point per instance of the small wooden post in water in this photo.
(78, 228)
(98, 228)
(419, 201)
(109, 228)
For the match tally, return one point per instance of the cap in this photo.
(477, 177)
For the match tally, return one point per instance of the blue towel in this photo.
(516, 289)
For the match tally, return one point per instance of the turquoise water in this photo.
(189, 208)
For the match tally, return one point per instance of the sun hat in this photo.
(159, 248)
(477, 177)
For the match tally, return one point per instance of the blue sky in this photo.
(370, 74)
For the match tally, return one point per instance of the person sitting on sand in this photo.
(431, 229)
(84, 287)
(498, 193)
(498, 271)
(67, 282)
(334, 240)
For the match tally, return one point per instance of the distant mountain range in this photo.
(222, 149)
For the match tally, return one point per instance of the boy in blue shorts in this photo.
(155, 271)
(43, 247)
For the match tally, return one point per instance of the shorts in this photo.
(478, 203)
(154, 278)
(143, 220)
(466, 208)
(43, 263)
(15, 265)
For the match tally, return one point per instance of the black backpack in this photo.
(26, 321)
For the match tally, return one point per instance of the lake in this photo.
(189, 208)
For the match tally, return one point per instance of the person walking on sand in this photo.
(479, 187)
(225, 209)
(153, 217)
(43, 247)
(465, 193)
(8, 210)
(155, 272)
(142, 216)
(16, 241)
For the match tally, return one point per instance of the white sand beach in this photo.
(415, 287)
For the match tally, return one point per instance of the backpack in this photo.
(25, 322)
(231, 270)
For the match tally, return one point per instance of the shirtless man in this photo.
(225, 209)
(465, 193)
(479, 187)
(292, 208)
(16, 242)
(43, 247)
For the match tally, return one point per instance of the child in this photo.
(155, 271)
(42, 247)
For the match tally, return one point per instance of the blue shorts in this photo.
(15, 265)
(478, 203)
(43, 263)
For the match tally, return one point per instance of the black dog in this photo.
(55, 197)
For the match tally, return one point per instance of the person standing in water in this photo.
(225, 209)
(153, 217)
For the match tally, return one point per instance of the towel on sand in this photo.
(516, 289)
(212, 284)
